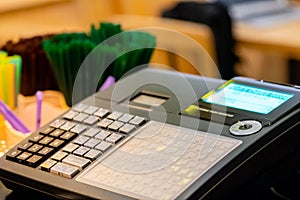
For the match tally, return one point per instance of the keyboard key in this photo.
(57, 123)
(102, 135)
(81, 139)
(36, 138)
(35, 148)
(68, 136)
(91, 143)
(81, 151)
(91, 132)
(93, 154)
(115, 126)
(25, 146)
(80, 107)
(57, 143)
(114, 115)
(45, 166)
(23, 156)
(64, 170)
(105, 123)
(125, 118)
(47, 130)
(103, 146)
(46, 140)
(90, 110)
(76, 161)
(57, 133)
(101, 113)
(80, 117)
(127, 128)
(91, 120)
(58, 156)
(138, 121)
(46, 151)
(67, 126)
(70, 115)
(114, 138)
(78, 129)
(34, 160)
(70, 147)
(11, 155)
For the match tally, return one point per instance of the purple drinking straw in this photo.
(39, 100)
(12, 118)
(107, 83)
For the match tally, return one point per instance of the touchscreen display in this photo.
(249, 98)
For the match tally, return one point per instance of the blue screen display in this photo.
(249, 98)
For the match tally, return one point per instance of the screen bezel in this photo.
(269, 118)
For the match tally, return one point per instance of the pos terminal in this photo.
(159, 134)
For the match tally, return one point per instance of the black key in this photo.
(46, 166)
(57, 133)
(47, 130)
(11, 155)
(57, 143)
(46, 151)
(35, 148)
(46, 140)
(68, 136)
(23, 156)
(36, 138)
(34, 160)
(25, 146)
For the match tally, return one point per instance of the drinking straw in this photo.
(15, 122)
(68, 51)
(39, 100)
(107, 83)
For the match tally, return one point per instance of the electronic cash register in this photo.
(159, 134)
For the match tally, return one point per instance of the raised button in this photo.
(91, 120)
(127, 128)
(70, 147)
(78, 129)
(101, 113)
(76, 161)
(103, 146)
(80, 117)
(45, 166)
(81, 151)
(58, 156)
(34, 160)
(90, 110)
(105, 123)
(114, 138)
(80, 107)
(70, 115)
(91, 132)
(91, 143)
(81, 139)
(115, 115)
(125, 118)
(57, 123)
(67, 126)
(64, 170)
(93, 154)
(46, 151)
(115, 126)
(102, 135)
(137, 121)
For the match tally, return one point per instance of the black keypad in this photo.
(71, 143)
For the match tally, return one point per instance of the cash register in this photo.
(161, 134)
